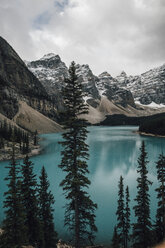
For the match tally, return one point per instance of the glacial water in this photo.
(113, 152)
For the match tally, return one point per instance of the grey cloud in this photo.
(108, 35)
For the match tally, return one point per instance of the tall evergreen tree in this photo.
(115, 239)
(15, 232)
(31, 204)
(160, 216)
(127, 217)
(46, 200)
(121, 213)
(142, 227)
(79, 211)
(35, 138)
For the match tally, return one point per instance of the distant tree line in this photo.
(144, 232)
(11, 133)
(28, 208)
(154, 126)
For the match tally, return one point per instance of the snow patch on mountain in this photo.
(148, 89)
(151, 105)
(49, 56)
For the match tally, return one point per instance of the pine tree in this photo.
(1, 143)
(160, 216)
(30, 201)
(79, 211)
(35, 138)
(46, 200)
(127, 217)
(121, 214)
(15, 231)
(115, 239)
(27, 144)
(142, 227)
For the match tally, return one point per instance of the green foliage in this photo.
(46, 200)
(15, 232)
(121, 213)
(154, 126)
(142, 227)
(12, 133)
(79, 211)
(35, 138)
(115, 239)
(31, 204)
(160, 216)
(127, 218)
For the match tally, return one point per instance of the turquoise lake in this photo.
(113, 152)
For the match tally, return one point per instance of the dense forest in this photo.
(154, 126)
(10, 133)
(115, 120)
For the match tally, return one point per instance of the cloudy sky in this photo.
(109, 35)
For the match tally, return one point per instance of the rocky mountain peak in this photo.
(50, 56)
(50, 61)
(88, 79)
(123, 73)
(104, 74)
(84, 72)
(122, 79)
(148, 87)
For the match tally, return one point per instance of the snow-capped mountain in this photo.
(104, 94)
(51, 71)
(146, 88)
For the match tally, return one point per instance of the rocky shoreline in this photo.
(5, 153)
(150, 134)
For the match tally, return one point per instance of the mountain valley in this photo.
(37, 85)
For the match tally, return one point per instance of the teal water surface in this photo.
(113, 152)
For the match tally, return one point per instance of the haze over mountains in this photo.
(26, 90)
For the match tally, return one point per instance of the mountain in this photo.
(146, 88)
(104, 94)
(19, 84)
(16, 81)
(50, 71)
(38, 85)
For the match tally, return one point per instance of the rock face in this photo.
(39, 84)
(146, 88)
(18, 83)
(104, 94)
(109, 87)
(51, 71)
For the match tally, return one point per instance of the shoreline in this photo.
(34, 152)
(5, 154)
(150, 134)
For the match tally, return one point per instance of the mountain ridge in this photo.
(103, 93)
(39, 84)
(18, 83)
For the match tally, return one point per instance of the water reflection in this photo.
(113, 152)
